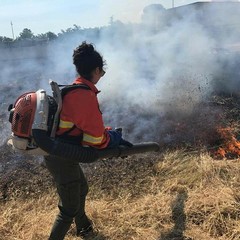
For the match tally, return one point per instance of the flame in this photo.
(230, 147)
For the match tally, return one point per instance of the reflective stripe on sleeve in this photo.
(92, 140)
(65, 124)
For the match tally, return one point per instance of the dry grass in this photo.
(178, 195)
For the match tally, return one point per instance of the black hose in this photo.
(123, 151)
(62, 149)
(86, 154)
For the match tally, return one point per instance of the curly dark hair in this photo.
(86, 59)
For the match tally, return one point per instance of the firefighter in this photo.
(80, 123)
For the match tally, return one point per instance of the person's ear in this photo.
(97, 70)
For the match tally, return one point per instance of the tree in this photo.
(75, 29)
(5, 39)
(26, 34)
(51, 35)
(47, 36)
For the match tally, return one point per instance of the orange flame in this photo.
(230, 147)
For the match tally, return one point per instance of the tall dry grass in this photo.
(176, 195)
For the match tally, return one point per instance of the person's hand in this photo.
(122, 141)
(116, 139)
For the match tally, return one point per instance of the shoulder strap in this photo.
(68, 88)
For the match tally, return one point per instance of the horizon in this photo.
(42, 16)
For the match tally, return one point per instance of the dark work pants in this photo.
(72, 188)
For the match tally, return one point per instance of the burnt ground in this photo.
(21, 175)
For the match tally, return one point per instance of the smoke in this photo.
(158, 75)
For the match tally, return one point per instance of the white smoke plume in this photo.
(157, 75)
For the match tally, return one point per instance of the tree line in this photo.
(27, 36)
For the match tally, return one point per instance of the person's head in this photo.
(89, 63)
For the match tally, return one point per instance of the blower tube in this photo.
(82, 154)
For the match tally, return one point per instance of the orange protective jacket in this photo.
(80, 113)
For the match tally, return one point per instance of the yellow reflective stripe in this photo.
(90, 139)
(65, 124)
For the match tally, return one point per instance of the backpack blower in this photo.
(34, 119)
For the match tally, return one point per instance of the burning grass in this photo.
(230, 146)
(226, 144)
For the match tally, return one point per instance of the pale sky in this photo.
(42, 16)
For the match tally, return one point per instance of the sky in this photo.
(42, 16)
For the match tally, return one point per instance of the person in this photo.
(80, 123)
